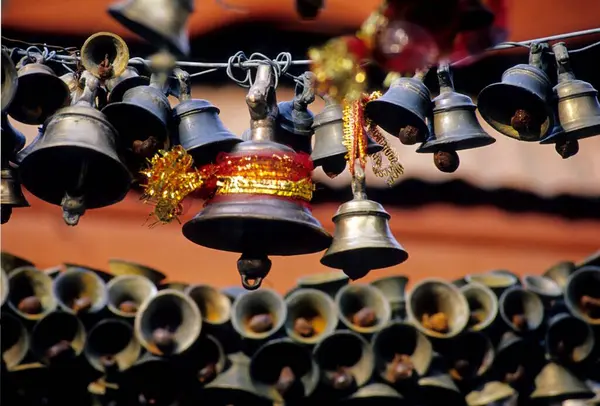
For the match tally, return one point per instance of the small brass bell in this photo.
(518, 106)
(362, 240)
(470, 356)
(309, 9)
(57, 338)
(555, 383)
(569, 340)
(40, 93)
(162, 23)
(513, 359)
(9, 81)
(393, 288)
(578, 108)
(362, 308)
(560, 272)
(375, 394)
(545, 288)
(120, 267)
(295, 121)
(30, 293)
(582, 294)
(483, 305)
(75, 163)
(258, 227)
(111, 344)
(455, 125)
(119, 85)
(493, 393)
(11, 195)
(497, 281)
(327, 282)
(402, 110)
(199, 129)
(311, 315)
(126, 293)
(105, 55)
(214, 306)
(179, 286)
(329, 151)
(521, 310)
(80, 291)
(15, 341)
(258, 315)
(207, 359)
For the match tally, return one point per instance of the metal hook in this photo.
(304, 91)
(184, 91)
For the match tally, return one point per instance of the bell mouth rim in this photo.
(493, 311)
(223, 319)
(155, 121)
(132, 82)
(133, 346)
(574, 308)
(383, 316)
(411, 119)
(579, 132)
(114, 307)
(534, 297)
(97, 305)
(457, 143)
(51, 303)
(246, 332)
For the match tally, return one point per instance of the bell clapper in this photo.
(207, 373)
(340, 379)
(285, 381)
(567, 148)
(365, 317)
(163, 339)
(260, 323)
(81, 304)
(128, 306)
(30, 305)
(73, 203)
(303, 327)
(591, 306)
(436, 322)
(401, 367)
(446, 161)
(253, 269)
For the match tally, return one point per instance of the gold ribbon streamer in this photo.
(302, 189)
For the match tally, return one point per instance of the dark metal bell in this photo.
(438, 386)
(329, 151)
(362, 240)
(311, 315)
(375, 394)
(79, 290)
(11, 195)
(578, 107)
(470, 356)
(521, 310)
(555, 383)
(126, 293)
(363, 308)
(119, 267)
(119, 85)
(582, 294)
(483, 305)
(50, 333)
(15, 340)
(40, 93)
(590, 260)
(455, 125)
(299, 379)
(75, 163)
(30, 293)
(161, 23)
(519, 106)
(9, 81)
(199, 129)
(569, 340)
(402, 110)
(111, 342)
(393, 288)
(437, 308)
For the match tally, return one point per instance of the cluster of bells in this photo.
(75, 335)
(523, 106)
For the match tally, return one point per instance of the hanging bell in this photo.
(329, 151)
(111, 345)
(402, 110)
(105, 55)
(126, 293)
(119, 85)
(40, 93)
(58, 338)
(362, 240)
(162, 23)
(9, 81)
(483, 306)
(569, 340)
(258, 227)
(578, 108)
(555, 383)
(521, 310)
(30, 293)
(309, 9)
(199, 129)
(15, 341)
(518, 107)
(295, 121)
(311, 315)
(75, 163)
(581, 294)
(362, 308)
(393, 288)
(11, 195)
(455, 125)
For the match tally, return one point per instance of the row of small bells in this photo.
(127, 337)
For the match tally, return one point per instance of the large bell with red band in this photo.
(258, 225)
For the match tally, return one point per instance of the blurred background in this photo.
(512, 205)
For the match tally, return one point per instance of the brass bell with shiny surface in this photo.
(162, 23)
(555, 383)
(498, 281)
(362, 240)
(120, 267)
(403, 109)
(214, 306)
(560, 272)
(455, 126)
(40, 93)
(11, 195)
(329, 151)
(30, 293)
(58, 338)
(79, 290)
(519, 106)
(569, 340)
(483, 306)
(111, 345)
(311, 315)
(521, 310)
(393, 288)
(105, 55)
(198, 127)
(578, 106)
(493, 393)
(168, 323)
(15, 341)
(284, 371)
(119, 85)
(437, 308)
(363, 308)
(375, 394)
(9, 81)
(75, 163)
(545, 288)
(258, 227)
(582, 294)
(126, 293)
(258, 315)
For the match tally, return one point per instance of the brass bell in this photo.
(168, 323)
(569, 340)
(162, 23)
(555, 383)
(578, 108)
(15, 341)
(40, 93)
(214, 306)
(497, 281)
(346, 361)
(581, 294)
(375, 394)
(284, 371)
(30, 293)
(455, 125)
(471, 356)
(483, 306)
(328, 282)
(198, 127)
(438, 387)
(258, 315)
(329, 150)
(9, 81)
(11, 195)
(78, 290)
(519, 106)
(58, 338)
(258, 227)
(234, 386)
(207, 359)
(560, 272)
(311, 315)
(393, 288)
(105, 55)
(119, 85)
(362, 240)
(521, 310)
(3, 287)
(309, 9)
(11, 262)
(545, 288)
(126, 293)
(363, 308)
(437, 308)
(493, 393)
(120, 267)
(295, 120)
(403, 109)
(75, 163)
(402, 353)
(111, 345)
(510, 351)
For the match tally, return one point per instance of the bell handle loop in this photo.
(359, 182)
(262, 104)
(536, 54)
(445, 78)
(185, 84)
(88, 96)
(304, 91)
(563, 63)
(251, 283)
